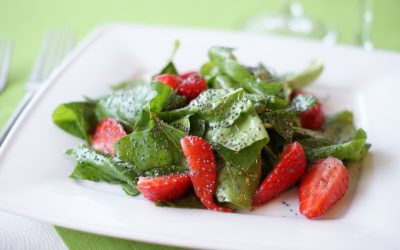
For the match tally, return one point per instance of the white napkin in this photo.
(22, 233)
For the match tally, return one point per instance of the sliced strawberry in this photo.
(325, 182)
(286, 173)
(313, 118)
(107, 132)
(295, 93)
(192, 86)
(164, 188)
(187, 74)
(171, 80)
(203, 170)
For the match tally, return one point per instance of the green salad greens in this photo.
(247, 114)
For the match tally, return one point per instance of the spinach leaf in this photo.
(236, 187)
(127, 105)
(222, 82)
(246, 130)
(307, 76)
(282, 122)
(266, 103)
(189, 201)
(353, 150)
(244, 158)
(197, 126)
(175, 101)
(214, 105)
(301, 103)
(76, 118)
(156, 147)
(339, 128)
(128, 84)
(95, 166)
(227, 64)
(169, 69)
(183, 124)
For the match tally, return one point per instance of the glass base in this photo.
(300, 26)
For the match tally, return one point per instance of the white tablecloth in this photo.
(17, 232)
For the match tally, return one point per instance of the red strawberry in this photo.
(171, 80)
(107, 132)
(192, 86)
(203, 170)
(187, 74)
(324, 184)
(164, 188)
(295, 93)
(313, 118)
(287, 171)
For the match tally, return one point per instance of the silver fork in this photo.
(56, 44)
(6, 46)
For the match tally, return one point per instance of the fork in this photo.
(56, 44)
(6, 46)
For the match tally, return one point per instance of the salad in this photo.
(225, 137)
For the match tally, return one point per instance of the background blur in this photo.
(27, 21)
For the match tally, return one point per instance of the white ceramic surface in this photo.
(34, 172)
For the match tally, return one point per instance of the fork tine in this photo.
(5, 61)
(57, 44)
(40, 60)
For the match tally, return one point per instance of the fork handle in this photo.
(10, 123)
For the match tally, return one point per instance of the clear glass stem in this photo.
(363, 34)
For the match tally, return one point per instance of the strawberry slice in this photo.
(325, 182)
(171, 80)
(286, 173)
(203, 170)
(313, 118)
(107, 132)
(187, 74)
(164, 188)
(192, 86)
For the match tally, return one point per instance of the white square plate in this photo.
(34, 172)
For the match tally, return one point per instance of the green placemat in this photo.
(80, 240)
(27, 21)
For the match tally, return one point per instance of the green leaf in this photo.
(76, 118)
(153, 148)
(282, 122)
(339, 128)
(266, 103)
(169, 69)
(246, 130)
(175, 101)
(236, 187)
(263, 73)
(183, 124)
(244, 158)
(128, 105)
(301, 103)
(222, 82)
(125, 105)
(197, 126)
(227, 64)
(304, 78)
(128, 84)
(214, 105)
(353, 150)
(189, 201)
(95, 166)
